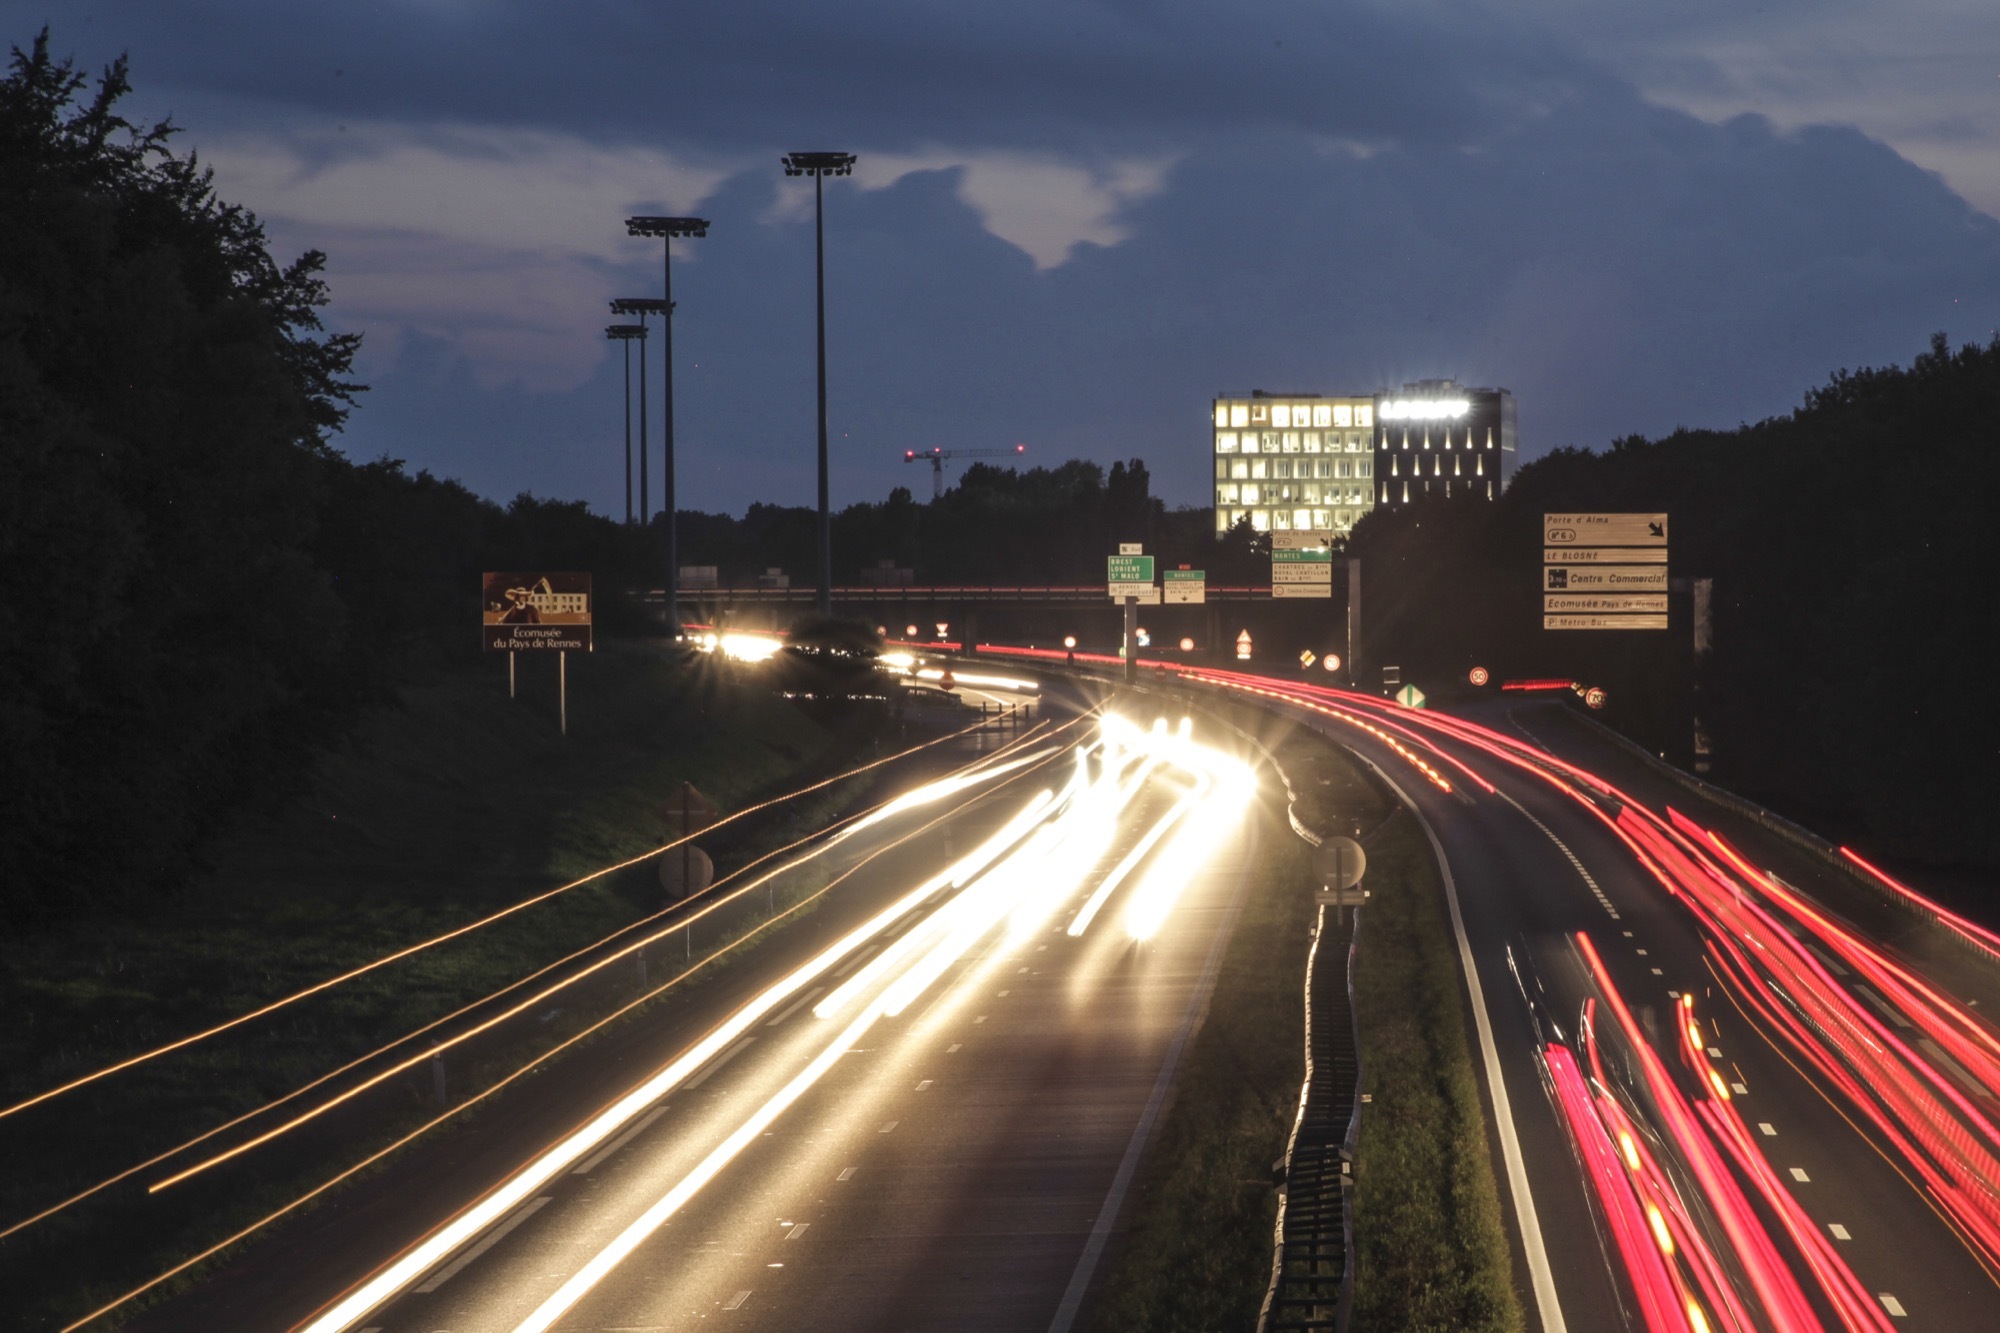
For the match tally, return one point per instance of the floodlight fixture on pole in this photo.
(668, 230)
(626, 334)
(819, 166)
(642, 306)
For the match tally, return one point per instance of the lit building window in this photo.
(1260, 414)
(1291, 438)
(1250, 494)
(1268, 440)
(1281, 467)
(1247, 441)
(1364, 415)
(1322, 414)
(1311, 441)
(1225, 494)
(1343, 414)
(1281, 414)
(1309, 493)
(1364, 467)
(1239, 414)
(1258, 468)
(1260, 520)
(1225, 442)
(1239, 468)
(1222, 467)
(1221, 414)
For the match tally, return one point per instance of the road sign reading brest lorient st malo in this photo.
(1604, 571)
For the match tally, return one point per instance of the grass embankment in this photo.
(441, 811)
(1197, 1253)
(1431, 1252)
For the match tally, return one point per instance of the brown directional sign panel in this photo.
(535, 612)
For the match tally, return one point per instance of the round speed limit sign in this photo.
(1478, 676)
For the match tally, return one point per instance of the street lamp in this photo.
(626, 334)
(668, 229)
(819, 166)
(641, 306)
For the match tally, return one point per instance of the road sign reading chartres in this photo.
(1604, 529)
(1301, 564)
(1186, 586)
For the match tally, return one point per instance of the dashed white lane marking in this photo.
(1041, 948)
(492, 1238)
(1839, 1231)
(1891, 1304)
(797, 1231)
(1767, 1129)
(847, 1173)
(1642, 953)
(736, 1302)
(953, 1049)
(1658, 972)
(1881, 1006)
(855, 961)
(980, 1019)
(1954, 1068)
(886, 1128)
(794, 1007)
(1005, 993)
(1024, 971)
(1739, 1090)
(1715, 1052)
(925, 1084)
(708, 1071)
(1563, 847)
(1799, 1174)
(592, 1162)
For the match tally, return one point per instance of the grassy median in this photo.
(1431, 1252)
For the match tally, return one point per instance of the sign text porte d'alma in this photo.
(1604, 571)
(536, 612)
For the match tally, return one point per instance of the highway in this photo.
(1729, 1088)
(924, 1112)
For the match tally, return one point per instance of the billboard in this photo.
(535, 612)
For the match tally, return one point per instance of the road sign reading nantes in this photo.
(1131, 576)
(1186, 586)
(1301, 564)
(1604, 571)
(535, 613)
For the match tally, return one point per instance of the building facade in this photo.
(1292, 462)
(1435, 438)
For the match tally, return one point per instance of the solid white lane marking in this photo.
(797, 1231)
(492, 1238)
(925, 1084)
(736, 1302)
(953, 1049)
(886, 1128)
(1767, 1129)
(1541, 1277)
(794, 1006)
(1799, 1174)
(718, 1062)
(1891, 1304)
(1839, 1231)
(595, 1159)
(847, 1174)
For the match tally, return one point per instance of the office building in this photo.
(1437, 439)
(1294, 462)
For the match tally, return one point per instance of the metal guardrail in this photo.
(1311, 1286)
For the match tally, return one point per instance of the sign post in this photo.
(537, 612)
(1301, 564)
(1604, 571)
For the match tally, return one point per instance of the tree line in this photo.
(1853, 557)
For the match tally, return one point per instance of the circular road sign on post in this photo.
(1478, 676)
(1595, 697)
(1340, 863)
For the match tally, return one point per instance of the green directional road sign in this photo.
(1128, 569)
(1410, 697)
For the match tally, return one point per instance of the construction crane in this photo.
(936, 457)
